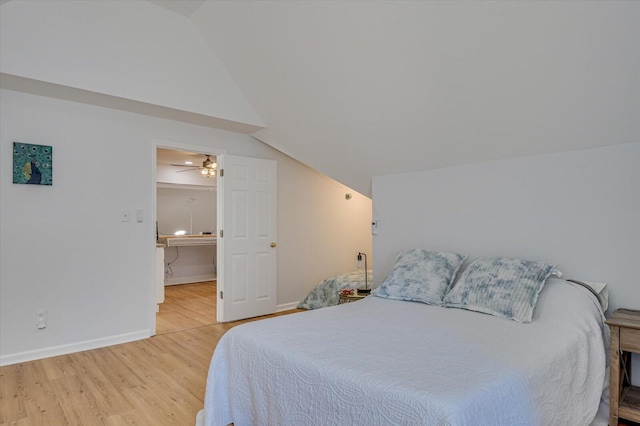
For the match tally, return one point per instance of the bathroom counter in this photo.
(190, 240)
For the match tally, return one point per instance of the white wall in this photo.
(190, 210)
(64, 249)
(129, 49)
(579, 209)
(328, 230)
(194, 210)
(190, 264)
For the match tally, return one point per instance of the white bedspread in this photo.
(386, 362)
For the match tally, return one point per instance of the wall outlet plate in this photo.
(41, 316)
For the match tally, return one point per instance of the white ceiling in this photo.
(172, 156)
(183, 7)
(357, 89)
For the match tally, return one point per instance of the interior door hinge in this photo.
(221, 172)
(221, 233)
(221, 295)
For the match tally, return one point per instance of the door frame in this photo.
(219, 153)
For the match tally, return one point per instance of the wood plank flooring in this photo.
(187, 306)
(157, 381)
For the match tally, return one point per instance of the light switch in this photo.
(124, 216)
(139, 215)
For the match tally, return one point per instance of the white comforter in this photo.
(386, 362)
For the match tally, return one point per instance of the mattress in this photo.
(387, 362)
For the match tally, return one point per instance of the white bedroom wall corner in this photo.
(325, 231)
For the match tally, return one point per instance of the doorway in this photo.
(245, 259)
(186, 216)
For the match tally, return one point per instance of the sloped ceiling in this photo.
(183, 7)
(128, 55)
(358, 89)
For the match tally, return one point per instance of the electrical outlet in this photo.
(42, 319)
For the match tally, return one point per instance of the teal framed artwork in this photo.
(32, 164)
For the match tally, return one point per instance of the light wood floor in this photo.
(187, 306)
(157, 381)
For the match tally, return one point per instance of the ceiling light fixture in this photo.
(208, 167)
(209, 171)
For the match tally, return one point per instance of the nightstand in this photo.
(346, 298)
(625, 339)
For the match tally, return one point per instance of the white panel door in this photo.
(247, 286)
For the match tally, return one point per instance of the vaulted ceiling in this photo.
(357, 89)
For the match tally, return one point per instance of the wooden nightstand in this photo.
(625, 339)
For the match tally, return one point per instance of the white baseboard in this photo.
(72, 347)
(287, 306)
(189, 279)
(96, 343)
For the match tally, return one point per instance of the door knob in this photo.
(273, 245)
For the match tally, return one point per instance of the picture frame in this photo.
(32, 164)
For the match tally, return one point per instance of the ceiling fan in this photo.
(207, 169)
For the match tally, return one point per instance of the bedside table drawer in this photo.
(630, 340)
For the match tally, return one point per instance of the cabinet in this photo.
(625, 339)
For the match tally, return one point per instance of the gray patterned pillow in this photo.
(421, 276)
(506, 288)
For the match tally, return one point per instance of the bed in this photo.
(325, 293)
(384, 361)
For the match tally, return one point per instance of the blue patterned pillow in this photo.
(506, 288)
(421, 276)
